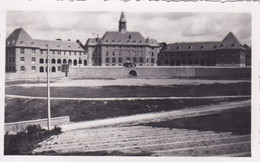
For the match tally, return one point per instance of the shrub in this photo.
(26, 140)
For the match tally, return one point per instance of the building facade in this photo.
(118, 47)
(27, 55)
(228, 52)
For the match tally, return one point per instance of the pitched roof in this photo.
(127, 38)
(59, 45)
(92, 41)
(193, 46)
(20, 38)
(229, 42)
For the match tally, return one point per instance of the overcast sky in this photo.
(166, 27)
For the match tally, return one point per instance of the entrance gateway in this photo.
(132, 73)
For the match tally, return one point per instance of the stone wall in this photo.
(162, 72)
(143, 72)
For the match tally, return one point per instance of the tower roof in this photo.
(122, 17)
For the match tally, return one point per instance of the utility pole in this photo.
(48, 90)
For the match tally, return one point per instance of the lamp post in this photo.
(48, 90)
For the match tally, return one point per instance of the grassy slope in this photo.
(236, 121)
(26, 109)
(137, 91)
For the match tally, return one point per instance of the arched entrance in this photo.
(132, 73)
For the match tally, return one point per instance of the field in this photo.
(208, 126)
(18, 109)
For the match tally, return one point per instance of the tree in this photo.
(80, 43)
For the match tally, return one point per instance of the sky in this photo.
(166, 27)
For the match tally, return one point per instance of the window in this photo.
(59, 68)
(190, 47)
(22, 68)
(41, 51)
(21, 42)
(107, 60)
(59, 52)
(134, 59)
(141, 60)
(22, 50)
(166, 62)
(33, 68)
(33, 59)
(221, 45)
(41, 61)
(107, 53)
(53, 69)
(119, 60)
(85, 62)
(152, 60)
(178, 47)
(53, 61)
(113, 60)
(75, 62)
(41, 69)
(59, 61)
(152, 54)
(64, 61)
(22, 59)
(33, 51)
(113, 53)
(147, 60)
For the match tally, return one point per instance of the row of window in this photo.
(204, 46)
(53, 52)
(201, 62)
(53, 61)
(128, 53)
(119, 60)
(41, 69)
(193, 54)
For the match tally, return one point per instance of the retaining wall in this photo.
(18, 126)
(162, 72)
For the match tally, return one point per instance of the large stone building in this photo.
(228, 52)
(118, 47)
(27, 55)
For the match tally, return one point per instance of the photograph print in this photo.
(128, 83)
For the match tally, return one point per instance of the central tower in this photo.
(122, 23)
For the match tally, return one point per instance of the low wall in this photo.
(15, 76)
(162, 72)
(18, 126)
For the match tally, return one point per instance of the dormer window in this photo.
(119, 40)
(215, 46)
(178, 47)
(32, 42)
(233, 45)
(58, 45)
(128, 41)
(190, 47)
(140, 41)
(133, 41)
(69, 46)
(21, 42)
(106, 40)
(221, 45)
(130, 36)
(203, 46)
(113, 40)
(13, 42)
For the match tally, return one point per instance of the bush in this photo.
(26, 140)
